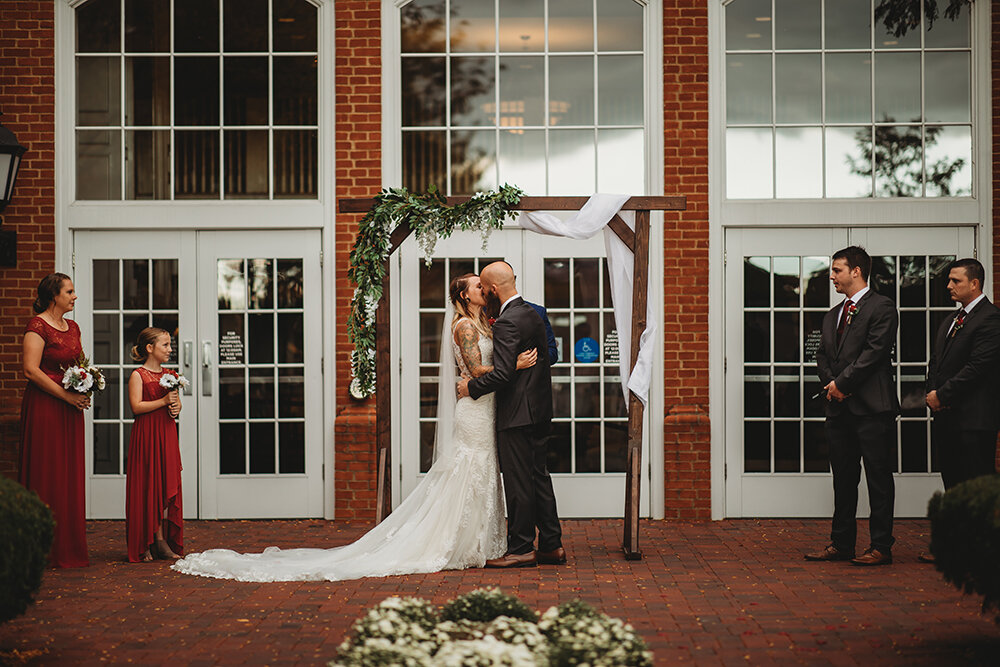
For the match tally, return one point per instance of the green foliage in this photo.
(430, 217)
(484, 605)
(26, 529)
(900, 16)
(965, 538)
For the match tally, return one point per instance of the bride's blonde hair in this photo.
(457, 293)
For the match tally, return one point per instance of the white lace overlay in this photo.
(453, 519)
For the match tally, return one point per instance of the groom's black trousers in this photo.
(531, 503)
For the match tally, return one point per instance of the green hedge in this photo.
(26, 527)
(965, 538)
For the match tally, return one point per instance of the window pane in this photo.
(947, 87)
(473, 161)
(473, 99)
(787, 395)
(232, 449)
(621, 161)
(232, 294)
(165, 284)
(848, 24)
(619, 26)
(295, 90)
(886, 39)
(946, 32)
(848, 88)
(522, 26)
(292, 447)
(262, 448)
(105, 283)
(522, 91)
(289, 283)
(424, 160)
(196, 91)
(619, 80)
(246, 90)
(748, 163)
(756, 282)
(98, 164)
(798, 94)
(246, 163)
(295, 159)
(196, 164)
(422, 26)
(756, 447)
(898, 156)
(423, 91)
(748, 25)
(571, 162)
(472, 25)
(98, 91)
(748, 89)
(897, 87)
(244, 25)
(196, 26)
(107, 451)
(848, 162)
(571, 25)
(799, 162)
(522, 159)
(571, 90)
(949, 161)
(797, 24)
(98, 26)
(147, 91)
(261, 284)
(294, 27)
(147, 26)
(147, 164)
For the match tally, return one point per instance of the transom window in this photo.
(546, 94)
(823, 100)
(196, 99)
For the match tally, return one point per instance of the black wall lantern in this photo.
(10, 163)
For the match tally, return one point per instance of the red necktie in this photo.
(843, 319)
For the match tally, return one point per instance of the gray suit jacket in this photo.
(861, 364)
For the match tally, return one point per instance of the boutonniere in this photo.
(959, 323)
(852, 310)
(491, 321)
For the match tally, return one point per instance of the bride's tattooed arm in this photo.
(468, 344)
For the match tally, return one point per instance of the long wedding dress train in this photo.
(453, 519)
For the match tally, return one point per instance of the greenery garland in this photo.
(430, 217)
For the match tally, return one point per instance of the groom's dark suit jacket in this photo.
(524, 398)
(964, 369)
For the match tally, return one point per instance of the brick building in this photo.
(185, 159)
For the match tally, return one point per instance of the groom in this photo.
(523, 420)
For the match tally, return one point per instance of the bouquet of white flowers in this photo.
(172, 380)
(83, 377)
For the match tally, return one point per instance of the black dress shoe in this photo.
(513, 560)
(555, 557)
(830, 553)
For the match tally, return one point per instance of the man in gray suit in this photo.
(855, 366)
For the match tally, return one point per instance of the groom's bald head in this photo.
(498, 278)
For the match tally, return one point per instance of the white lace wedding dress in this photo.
(453, 519)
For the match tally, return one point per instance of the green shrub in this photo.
(485, 604)
(26, 528)
(965, 538)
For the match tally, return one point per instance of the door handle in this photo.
(187, 363)
(206, 368)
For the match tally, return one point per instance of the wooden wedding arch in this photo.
(637, 241)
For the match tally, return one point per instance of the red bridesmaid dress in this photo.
(153, 480)
(52, 449)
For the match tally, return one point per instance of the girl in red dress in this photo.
(52, 456)
(154, 522)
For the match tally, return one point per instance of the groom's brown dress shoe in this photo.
(555, 557)
(873, 557)
(514, 560)
(927, 558)
(830, 553)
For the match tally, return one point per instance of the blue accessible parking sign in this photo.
(586, 350)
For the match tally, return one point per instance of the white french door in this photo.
(244, 311)
(587, 450)
(777, 292)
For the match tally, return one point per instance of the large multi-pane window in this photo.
(824, 100)
(196, 99)
(544, 94)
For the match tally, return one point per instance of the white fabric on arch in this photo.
(593, 217)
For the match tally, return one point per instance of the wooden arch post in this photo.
(637, 241)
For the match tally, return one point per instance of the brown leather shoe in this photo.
(514, 560)
(873, 556)
(830, 553)
(927, 558)
(555, 557)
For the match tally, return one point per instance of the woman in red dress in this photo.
(154, 523)
(52, 456)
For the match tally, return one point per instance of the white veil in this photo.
(447, 391)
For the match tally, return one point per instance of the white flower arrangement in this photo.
(83, 377)
(171, 380)
(408, 631)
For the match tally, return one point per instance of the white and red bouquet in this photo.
(83, 377)
(172, 380)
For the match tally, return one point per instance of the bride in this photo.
(453, 519)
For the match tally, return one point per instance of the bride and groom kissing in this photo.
(454, 518)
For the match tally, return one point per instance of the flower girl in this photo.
(154, 523)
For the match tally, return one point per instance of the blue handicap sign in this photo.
(586, 350)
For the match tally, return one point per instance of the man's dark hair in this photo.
(857, 258)
(973, 269)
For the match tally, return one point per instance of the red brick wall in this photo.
(359, 174)
(27, 99)
(687, 441)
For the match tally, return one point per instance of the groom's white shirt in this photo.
(516, 296)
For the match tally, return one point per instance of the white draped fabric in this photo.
(592, 218)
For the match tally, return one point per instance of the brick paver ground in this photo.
(731, 592)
